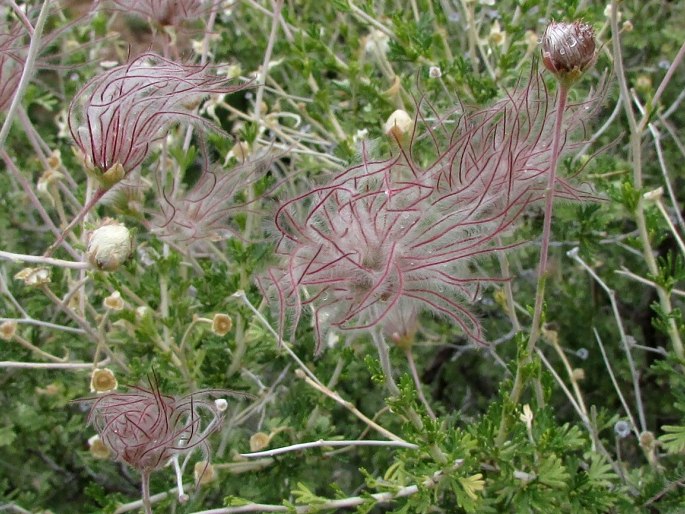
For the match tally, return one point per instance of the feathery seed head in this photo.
(118, 115)
(145, 428)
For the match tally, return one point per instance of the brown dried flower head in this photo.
(97, 448)
(221, 324)
(568, 49)
(102, 380)
(7, 330)
(204, 473)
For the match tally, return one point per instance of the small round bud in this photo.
(622, 429)
(97, 448)
(103, 380)
(582, 353)
(7, 330)
(221, 405)
(568, 50)
(259, 441)
(434, 72)
(399, 124)
(221, 324)
(647, 440)
(109, 245)
(204, 473)
(627, 26)
(114, 301)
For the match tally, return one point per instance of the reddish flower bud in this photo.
(568, 49)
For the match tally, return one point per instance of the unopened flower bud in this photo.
(568, 50)
(102, 380)
(7, 330)
(647, 440)
(221, 405)
(622, 429)
(399, 124)
(221, 324)
(109, 246)
(98, 448)
(204, 473)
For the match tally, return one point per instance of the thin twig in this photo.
(349, 406)
(624, 339)
(320, 443)
(47, 261)
(27, 71)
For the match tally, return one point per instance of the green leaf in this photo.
(674, 438)
(7, 436)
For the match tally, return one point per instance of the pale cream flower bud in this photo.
(109, 246)
(399, 124)
(103, 380)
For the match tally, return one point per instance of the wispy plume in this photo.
(118, 115)
(206, 210)
(147, 429)
(388, 239)
(166, 12)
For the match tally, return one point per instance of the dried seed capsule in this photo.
(221, 324)
(103, 380)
